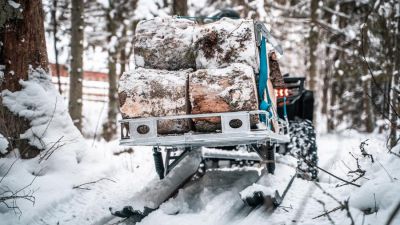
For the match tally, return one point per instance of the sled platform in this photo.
(236, 129)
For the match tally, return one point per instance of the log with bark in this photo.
(164, 43)
(227, 89)
(22, 46)
(224, 42)
(155, 93)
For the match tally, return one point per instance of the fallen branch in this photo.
(82, 186)
(325, 171)
(348, 213)
(9, 197)
(51, 150)
(343, 205)
(328, 194)
(328, 212)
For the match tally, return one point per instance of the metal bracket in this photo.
(262, 31)
(175, 159)
(236, 129)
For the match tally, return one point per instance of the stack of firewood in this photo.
(186, 68)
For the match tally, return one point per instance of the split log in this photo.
(228, 89)
(155, 93)
(164, 43)
(224, 42)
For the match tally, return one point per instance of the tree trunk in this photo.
(369, 120)
(395, 90)
(367, 95)
(110, 126)
(122, 52)
(23, 38)
(326, 84)
(395, 93)
(313, 45)
(179, 7)
(55, 26)
(76, 75)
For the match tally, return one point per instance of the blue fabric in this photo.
(262, 80)
(284, 107)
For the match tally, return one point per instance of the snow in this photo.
(3, 144)
(15, 5)
(148, 9)
(64, 161)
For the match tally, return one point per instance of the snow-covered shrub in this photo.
(380, 193)
(52, 129)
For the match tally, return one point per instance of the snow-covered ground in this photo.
(215, 198)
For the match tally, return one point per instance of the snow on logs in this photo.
(154, 93)
(164, 43)
(228, 89)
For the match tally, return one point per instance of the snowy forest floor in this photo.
(215, 198)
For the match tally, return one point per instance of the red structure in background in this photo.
(87, 75)
(92, 91)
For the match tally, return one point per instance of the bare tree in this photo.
(23, 46)
(76, 75)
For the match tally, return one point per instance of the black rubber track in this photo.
(304, 147)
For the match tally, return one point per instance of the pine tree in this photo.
(76, 74)
(22, 46)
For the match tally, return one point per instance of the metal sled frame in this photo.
(143, 131)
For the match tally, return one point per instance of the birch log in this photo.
(155, 93)
(164, 43)
(224, 42)
(228, 89)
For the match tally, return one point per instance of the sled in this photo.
(261, 133)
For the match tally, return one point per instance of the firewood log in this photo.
(227, 41)
(164, 43)
(155, 93)
(228, 89)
